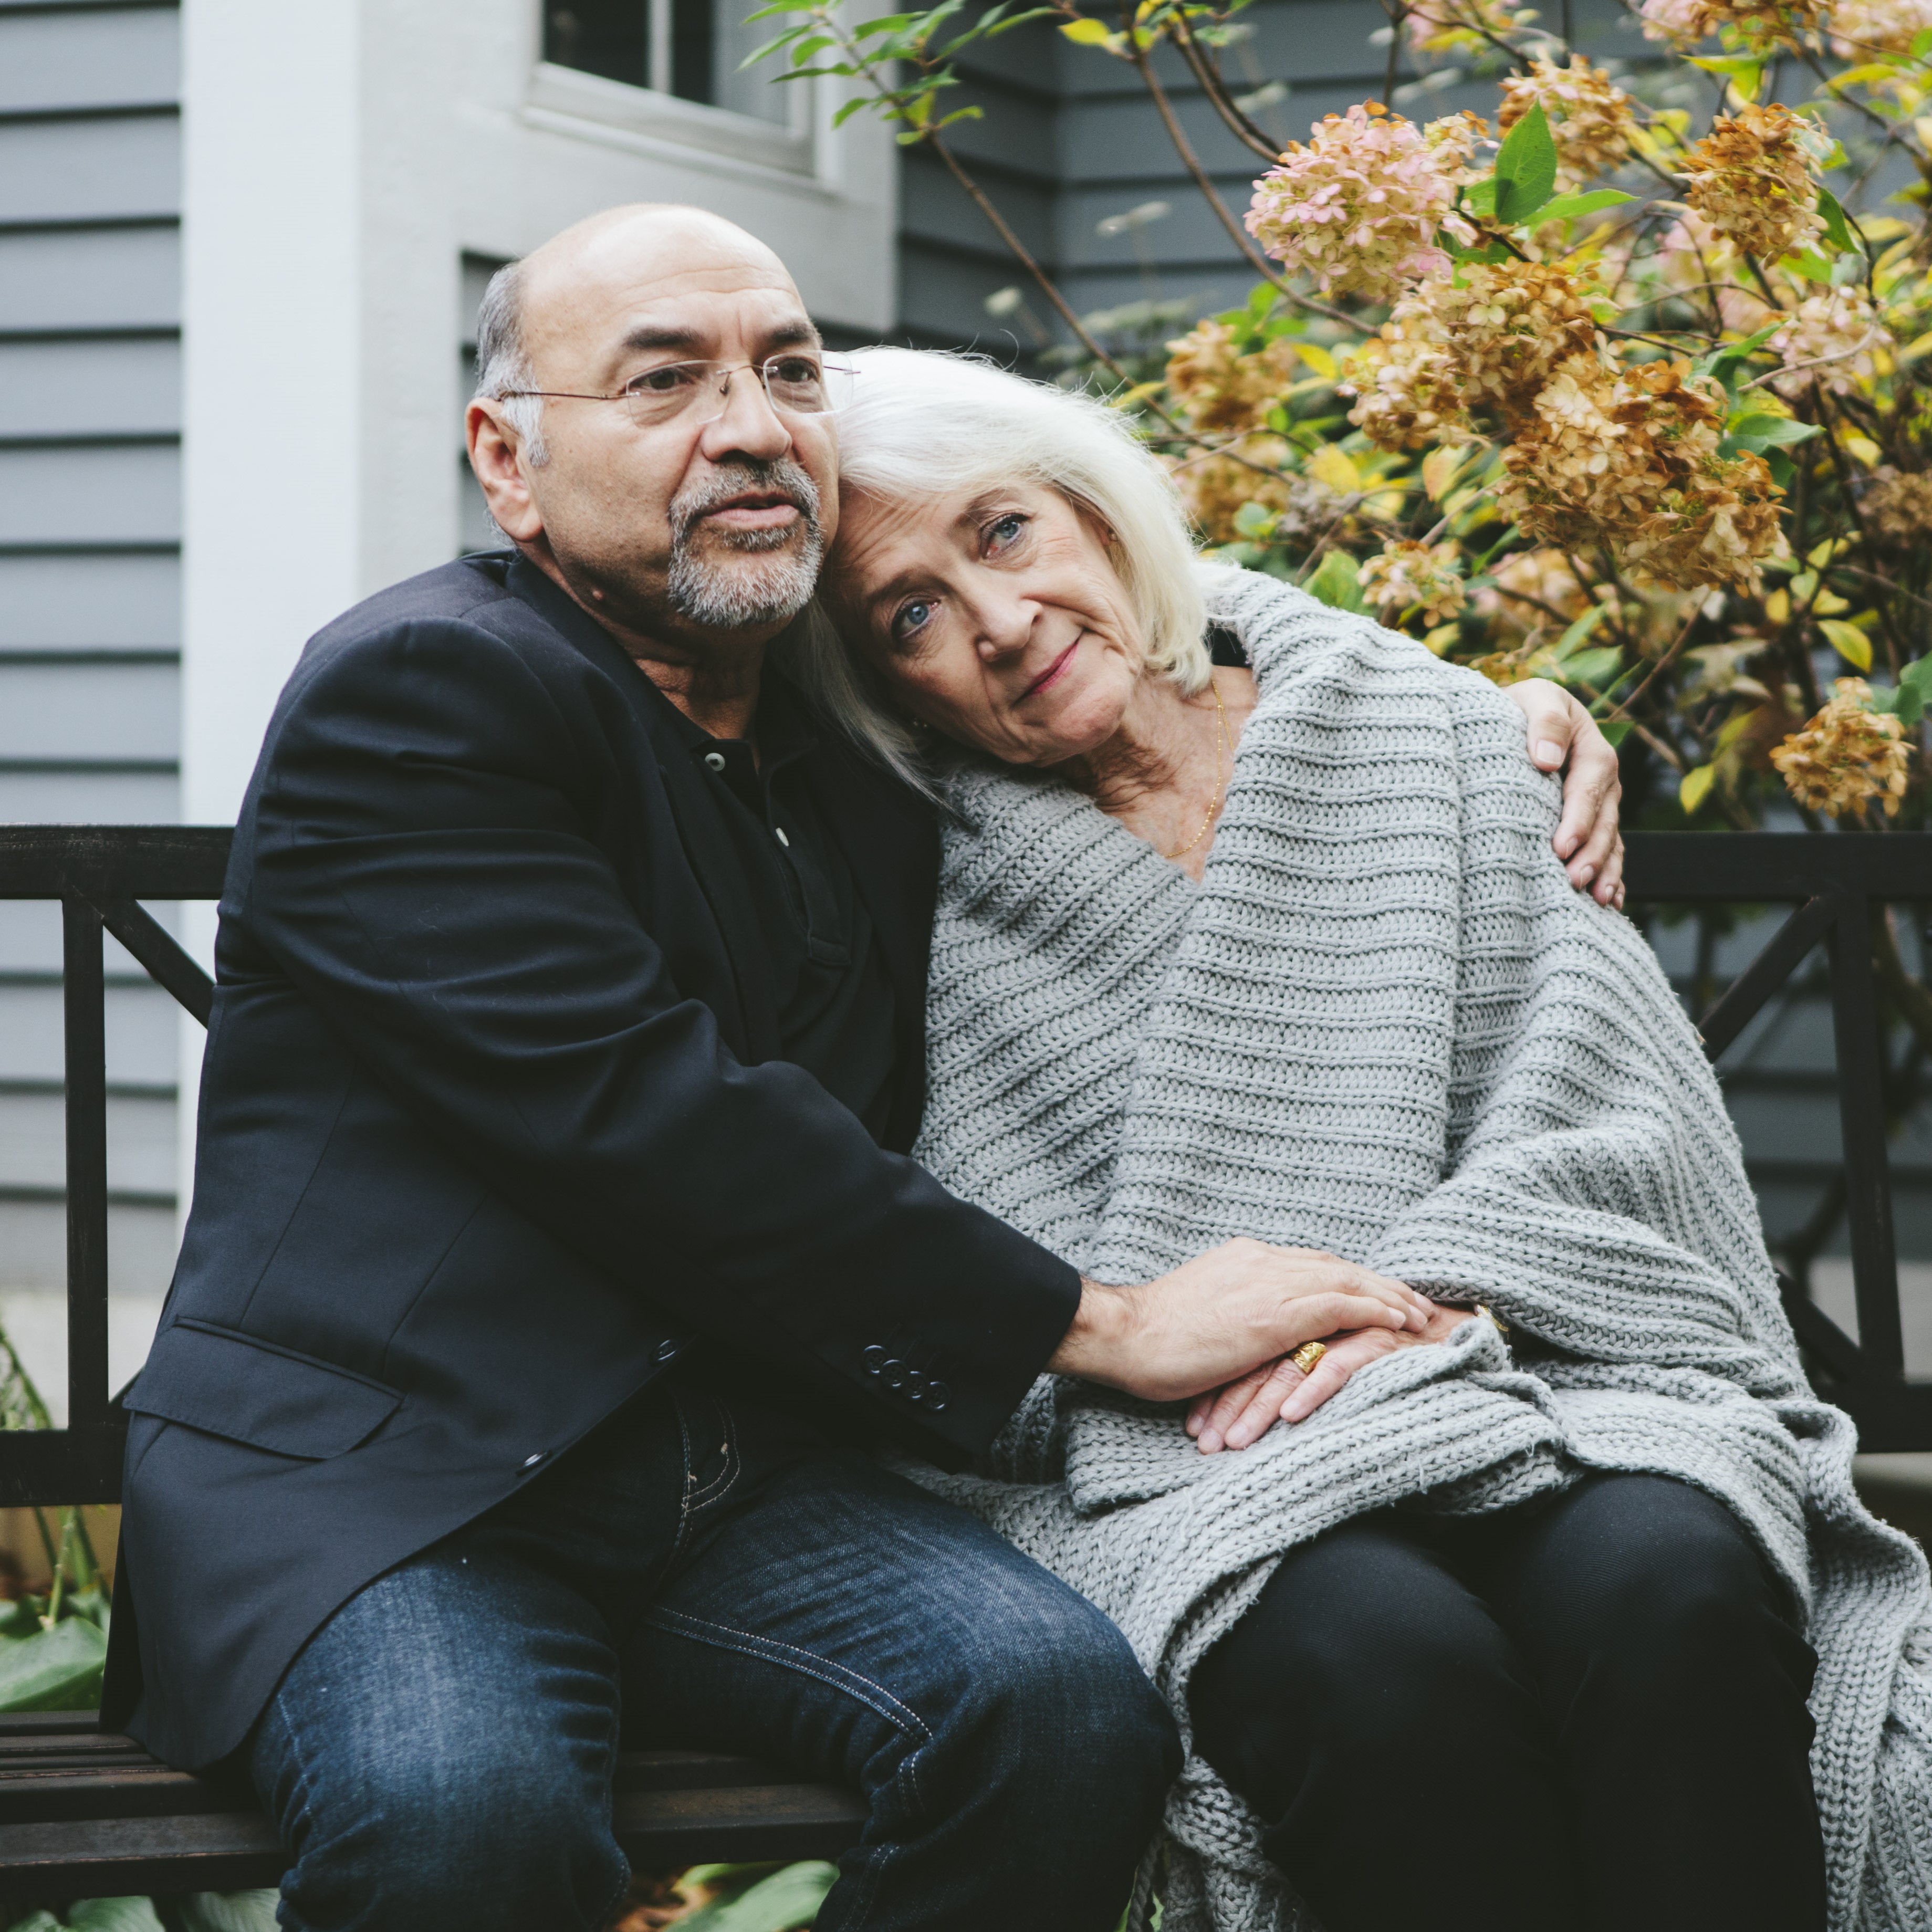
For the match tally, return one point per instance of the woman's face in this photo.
(997, 618)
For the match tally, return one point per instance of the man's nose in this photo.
(748, 425)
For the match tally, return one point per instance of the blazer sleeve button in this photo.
(875, 1359)
(936, 1394)
(894, 1373)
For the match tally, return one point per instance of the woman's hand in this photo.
(1245, 1410)
(1588, 839)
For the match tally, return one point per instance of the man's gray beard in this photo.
(767, 577)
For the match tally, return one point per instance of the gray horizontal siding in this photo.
(97, 387)
(109, 169)
(107, 57)
(72, 280)
(90, 495)
(90, 604)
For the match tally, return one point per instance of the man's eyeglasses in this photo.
(795, 385)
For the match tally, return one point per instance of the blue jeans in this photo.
(704, 1572)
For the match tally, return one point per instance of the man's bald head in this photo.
(615, 254)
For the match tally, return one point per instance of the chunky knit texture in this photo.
(1385, 1026)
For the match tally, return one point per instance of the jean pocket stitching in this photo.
(788, 1656)
(733, 1466)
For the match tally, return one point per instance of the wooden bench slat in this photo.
(231, 1851)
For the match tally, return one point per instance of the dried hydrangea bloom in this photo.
(1407, 384)
(1862, 30)
(1761, 23)
(1589, 115)
(1897, 507)
(1219, 388)
(1411, 577)
(1830, 339)
(1716, 528)
(1572, 474)
(1750, 178)
(1846, 756)
(1215, 485)
(1313, 511)
(1509, 325)
(1358, 206)
(1532, 589)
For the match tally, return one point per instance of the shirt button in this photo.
(875, 1359)
(935, 1395)
(715, 759)
(781, 831)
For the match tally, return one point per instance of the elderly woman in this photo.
(1562, 1615)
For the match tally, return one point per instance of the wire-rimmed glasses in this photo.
(795, 384)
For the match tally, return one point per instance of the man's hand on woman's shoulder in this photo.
(1589, 839)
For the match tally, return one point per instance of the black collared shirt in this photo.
(834, 994)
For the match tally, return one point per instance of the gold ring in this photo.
(1305, 1357)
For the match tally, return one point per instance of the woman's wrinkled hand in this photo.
(1243, 1412)
(1589, 840)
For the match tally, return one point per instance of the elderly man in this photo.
(554, 1256)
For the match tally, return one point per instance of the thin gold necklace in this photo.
(1223, 766)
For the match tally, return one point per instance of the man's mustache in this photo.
(784, 478)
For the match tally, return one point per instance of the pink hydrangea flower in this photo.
(1358, 206)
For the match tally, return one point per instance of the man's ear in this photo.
(496, 456)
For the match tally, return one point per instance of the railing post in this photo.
(1855, 1026)
(83, 990)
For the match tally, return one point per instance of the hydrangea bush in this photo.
(1595, 385)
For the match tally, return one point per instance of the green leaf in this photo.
(1578, 631)
(1525, 169)
(228, 1912)
(1720, 362)
(1615, 730)
(1849, 642)
(850, 108)
(1569, 207)
(1808, 263)
(1759, 430)
(788, 1899)
(1918, 677)
(780, 7)
(1479, 197)
(1696, 788)
(1743, 72)
(1086, 33)
(57, 1669)
(1595, 667)
(114, 1915)
(1335, 583)
(1837, 230)
(886, 23)
(1256, 522)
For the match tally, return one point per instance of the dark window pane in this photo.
(606, 36)
(692, 50)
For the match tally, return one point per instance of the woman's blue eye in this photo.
(910, 617)
(1005, 529)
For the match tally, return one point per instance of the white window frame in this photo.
(653, 115)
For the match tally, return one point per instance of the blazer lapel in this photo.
(704, 839)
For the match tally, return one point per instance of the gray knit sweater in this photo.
(1385, 1026)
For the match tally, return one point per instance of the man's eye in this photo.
(910, 617)
(664, 382)
(792, 369)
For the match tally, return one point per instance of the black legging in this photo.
(1587, 1712)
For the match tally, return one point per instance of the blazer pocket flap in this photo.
(233, 1385)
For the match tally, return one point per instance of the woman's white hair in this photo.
(919, 425)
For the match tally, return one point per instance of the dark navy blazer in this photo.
(491, 1130)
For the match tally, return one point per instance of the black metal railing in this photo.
(1838, 883)
(100, 874)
